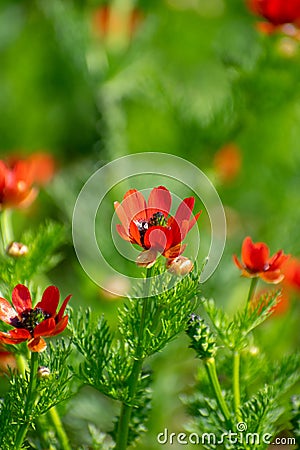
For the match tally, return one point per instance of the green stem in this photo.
(6, 228)
(34, 362)
(211, 371)
(126, 410)
(236, 385)
(252, 289)
(59, 429)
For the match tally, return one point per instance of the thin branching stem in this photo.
(211, 371)
(6, 228)
(21, 434)
(236, 385)
(124, 420)
(252, 289)
(59, 429)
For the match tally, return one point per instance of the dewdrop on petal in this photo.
(179, 266)
(17, 249)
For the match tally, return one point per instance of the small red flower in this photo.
(227, 162)
(149, 225)
(18, 176)
(277, 12)
(291, 270)
(30, 324)
(256, 262)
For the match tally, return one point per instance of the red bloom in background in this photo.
(30, 324)
(110, 20)
(227, 162)
(7, 360)
(256, 262)
(277, 12)
(291, 270)
(149, 225)
(18, 177)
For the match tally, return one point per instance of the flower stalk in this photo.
(210, 367)
(59, 429)
(31, 395)
(6, 228)
(126, 409)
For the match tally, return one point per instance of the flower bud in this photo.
(17, 249)
(203, 341)
(43, 372)
(179, 266)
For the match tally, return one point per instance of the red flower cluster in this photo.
(18, 176)
(277, 12)
(256, 262)
(30, 324)
(149, 225)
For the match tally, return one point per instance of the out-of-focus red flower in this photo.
(227, 162)
(112, 21)
(281, 306)
(7, 360)
(291, 270)
(149, 225)
(277, 12)
(30, 324)
(18, 178)
(42, 166)
(256, 262)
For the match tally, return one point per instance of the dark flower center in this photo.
(158, 219)
(30, 318)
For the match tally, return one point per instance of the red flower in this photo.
(7, 361)
(277, 12)
(257, 263)
(32, 323)
(110, 20)
(227, 162)
(291, 270)
(149, 225)
(18, 176)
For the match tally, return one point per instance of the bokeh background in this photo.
(90, 81)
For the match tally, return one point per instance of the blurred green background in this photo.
(185, 77)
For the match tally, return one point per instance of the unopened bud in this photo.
(17, 249)
(179, 266)
(202, 339)
(43, 372)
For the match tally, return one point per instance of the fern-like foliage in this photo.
(41, 257)
(234, 332)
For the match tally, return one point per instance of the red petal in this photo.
(45, 328)
(194, 220)
(158, 238)
(175, 251)
(184, 210)
(63, 308)
(273, 277)
(125, 221)
(179, 231)
(7, 312)
(238, 264)
(135, 234)
(278, 260)
(37, 345)
(159, 201)
(14, 336)
(21, 298)
(50, 300)
(255, 256)
(60, 326)
(134, 205)
(122, 232)
(3, 175)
